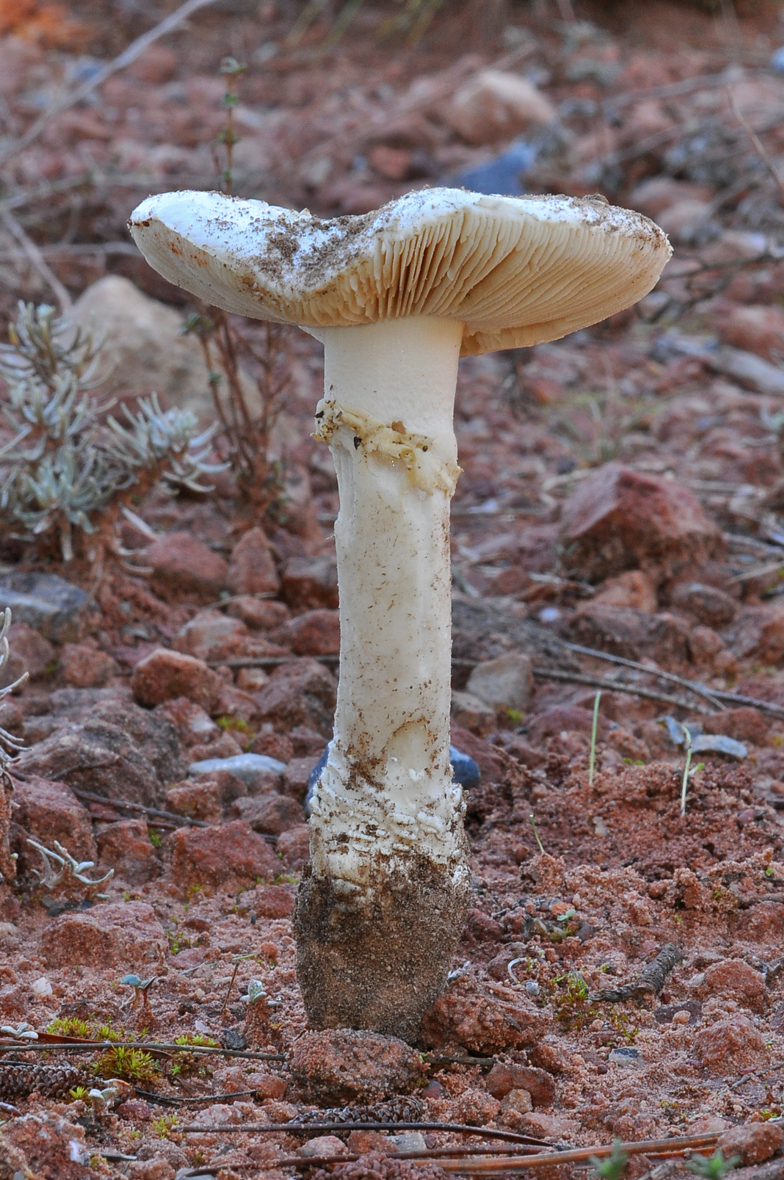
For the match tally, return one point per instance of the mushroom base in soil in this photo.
(382, 904)
(396, 296)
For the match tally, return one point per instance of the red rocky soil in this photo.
(622, 492)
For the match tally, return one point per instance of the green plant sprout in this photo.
(134, 1065)
(686, 768)
(539, 843)
(612, 1166)
(713, 1167)
(594, 729)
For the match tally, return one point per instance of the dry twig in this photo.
(134, 50)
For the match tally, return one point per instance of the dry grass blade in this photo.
(134, 50)
(759, 147)
(648, 694)
(658, 1147)
(692, 686)
(37, 260)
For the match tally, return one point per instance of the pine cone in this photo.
(20, 1079)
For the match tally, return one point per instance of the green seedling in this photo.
(134, 1065)
(539, 843)
(713, 1167)
(612, 1166)
(70, 1026)
(686, 768)
(594, 729)
(162, 1128)
(79, 1093)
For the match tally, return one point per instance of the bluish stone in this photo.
(464, 771)
(500, 177)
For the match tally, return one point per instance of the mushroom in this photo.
(396, 297)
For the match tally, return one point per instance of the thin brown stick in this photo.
(615, 686)
(759, 147)
(698, 689)
(121, 805)
(134, 50)
(37, 260)
(295, 1128)
(508, 1163)
(719, 695)
(151, 1047)
(660, 1147)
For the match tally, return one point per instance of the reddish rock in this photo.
(194, 726)
(653, 196)
(164, 675)
(234, 706)
(632, 634)
(252, 566)
(185, 568)
(551, 1055)
(85, 667)
(619, 519)
(480, 1021)
(50, 811)
(226, 855)
(744, 724)
(476, 1108)
(300, 693)
(753, 1142)
(294, 847)
(564, 718)
(537, 1082)
(157, 64)
(297, 774)
(45, 1146)
(276, 745)
(311, 582)
(211, 635)
(633, 589)
(494, 106)
(231, 786)
(126, 847)
(35, 653)
(707, 604)
(553, 1127)
(117, 934)
(737, 981)
(273, 901)
(757, 633)
(730, 1045)
(315, 633)
(516, 1104)
(757, 328)
(270, 814)
(489, 759)
(340, 1065)
(764, 922)
(260, 614)
(196, 800)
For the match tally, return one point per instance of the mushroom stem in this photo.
(380, 912)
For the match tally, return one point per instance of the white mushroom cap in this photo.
(516, 271)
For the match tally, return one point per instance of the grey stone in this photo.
(118, 750)
(144, 346)
(46, 602)
(505, 682)
(247, 767)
